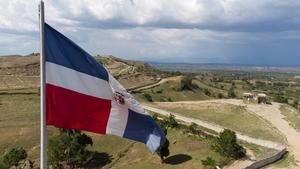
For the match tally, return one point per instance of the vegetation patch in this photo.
(291, 114)
(227, 115)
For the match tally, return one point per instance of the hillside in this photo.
(23, 71)
(19, 107)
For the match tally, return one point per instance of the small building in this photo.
(253, 97)
(261, 98)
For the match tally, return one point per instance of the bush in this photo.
(14, 156)
(209, 162)
(148, 97)
(187, 83)
(193, 128)
(260, 84)
(70, 146)
(231, 93)
(296, 104)
(220, 95)
(226, 144)
(3, 166)
(207, 92)
(281, 99)
(171, 121)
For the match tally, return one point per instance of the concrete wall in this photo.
(266, 161)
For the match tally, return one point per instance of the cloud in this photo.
(191, 31)
(202, 14)
(17, 44)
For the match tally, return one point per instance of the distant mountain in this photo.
(196, 67)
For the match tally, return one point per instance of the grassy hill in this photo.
(19, 112)
(19, 126)
(23, 71)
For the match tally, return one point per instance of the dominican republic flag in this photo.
(81, 94)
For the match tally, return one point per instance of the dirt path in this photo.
(158, 83)
(217, 128)
(272, 114)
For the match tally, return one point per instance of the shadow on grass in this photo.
(177, 159)
(99, 160)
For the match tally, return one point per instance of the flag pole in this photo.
(43, 134)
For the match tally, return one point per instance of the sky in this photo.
(254, 32)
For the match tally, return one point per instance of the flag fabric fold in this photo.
(81, 94)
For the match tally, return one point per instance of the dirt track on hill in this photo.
(217, 128)
(159, 82)
(270, 113)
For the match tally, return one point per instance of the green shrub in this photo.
(70, 146)
(209, 162)
(281, 99)
(148, 97)
(14, 156)
(187, 83)
(206, 92)
(295, 104)
(226, 144)
(220, 95)
(171, 121)
(193, 128)
(3, 166)
(231, 93)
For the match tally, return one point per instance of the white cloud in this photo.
(22, 15)
(155, 29)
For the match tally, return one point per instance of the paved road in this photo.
(240, 136)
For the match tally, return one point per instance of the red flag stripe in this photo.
(72, 110)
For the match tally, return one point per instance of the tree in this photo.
(14, 156)
(207, 92)
(70, 146)
(226, 144)
(148, 97)
(209, 162)
(281, 99)
(3, 166)
(231, 93)
(220, 95)
(193, 128)
(296, 104)
(170, 121)
(187, 83)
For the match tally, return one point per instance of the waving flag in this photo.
(81, 94)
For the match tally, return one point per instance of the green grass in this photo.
(168, 92)
(19, 127)
(259, 152)
(193, 148)
(229, 116)
(210, 87)
(19, 119)
(291, 115)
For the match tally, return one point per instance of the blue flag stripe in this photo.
(140, 127)
(62, 51)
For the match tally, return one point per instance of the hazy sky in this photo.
(205, 31)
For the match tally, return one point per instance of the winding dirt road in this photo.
(270, 113)
(240, 136)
